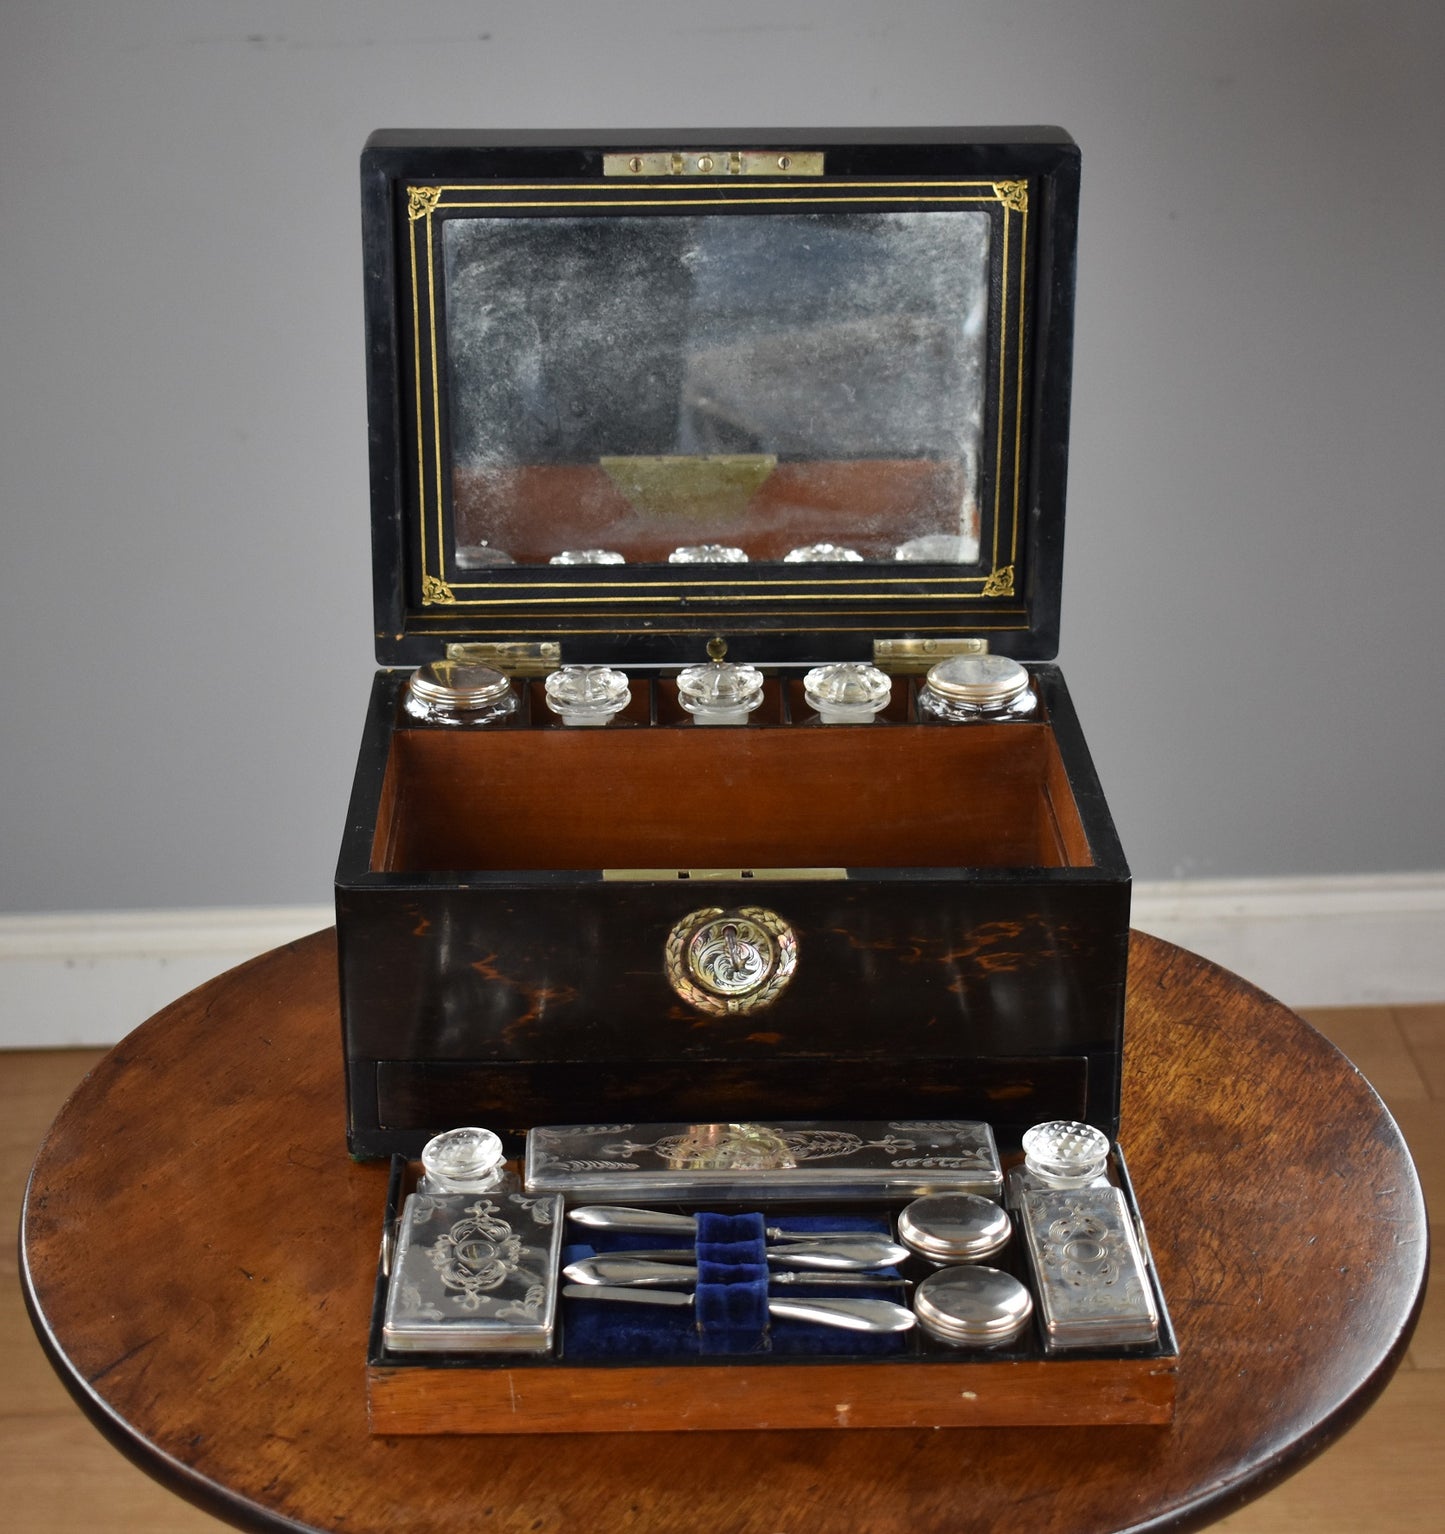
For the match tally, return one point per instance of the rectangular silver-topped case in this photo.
(620, 1163)
(1090, 1280)
(474, 1273)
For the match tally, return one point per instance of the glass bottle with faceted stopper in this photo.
(585, 695)
(465, 1160)
(847, 692)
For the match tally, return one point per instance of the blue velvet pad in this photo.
(730, 1313)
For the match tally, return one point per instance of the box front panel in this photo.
(987, 998)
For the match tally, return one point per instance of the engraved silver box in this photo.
(474, 1273)
(1090, 1280)
(621, 1163)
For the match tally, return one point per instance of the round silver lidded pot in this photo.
(587, 695)
(950, 1228)
(973, 1307)
(467, 1160)
(847, 692)
(459, 693)
(966, 688)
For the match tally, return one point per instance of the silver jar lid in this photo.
(707, 554)
(822, 554)
(459, 1160)
(954, 1227)
(459, 684)
(972, 1307)
(1065, 1153)
(587, 694)
(847, 692)
(983, 681)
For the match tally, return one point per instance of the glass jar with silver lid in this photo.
(587, 695)
(720, 692)
(458, 693)
(847, 692)
(966, 688)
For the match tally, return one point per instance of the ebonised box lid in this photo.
(616, 380)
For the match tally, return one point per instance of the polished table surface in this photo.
(198, 1254)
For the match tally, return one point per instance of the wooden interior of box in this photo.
(653, 790)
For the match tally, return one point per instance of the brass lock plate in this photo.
(728, 962)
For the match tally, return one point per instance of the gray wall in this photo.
(1252, 624)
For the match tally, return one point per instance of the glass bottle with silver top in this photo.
(587, 695)
(466, 1160)
(967, 688)
(458, 693)
(847, 692)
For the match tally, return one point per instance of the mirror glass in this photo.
(729, 387)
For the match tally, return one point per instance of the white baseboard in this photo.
(90, 977)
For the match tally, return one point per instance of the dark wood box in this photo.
(504, 896)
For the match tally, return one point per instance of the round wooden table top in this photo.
(198, 1252)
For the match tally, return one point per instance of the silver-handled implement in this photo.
(862, 1254)
(625, 1270)
(640, 1221)
(854, 1315)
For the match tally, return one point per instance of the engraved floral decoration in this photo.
(422, 201)
(763, 1147)
(1014, 195)
(478, 1254)
(1000, 582)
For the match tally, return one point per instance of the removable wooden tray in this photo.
(929, 1386)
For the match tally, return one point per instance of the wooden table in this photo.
(198, 1254)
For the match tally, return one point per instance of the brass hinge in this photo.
(912, 657)
(715, 162)
(513, 658)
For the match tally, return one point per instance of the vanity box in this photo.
(698, 354)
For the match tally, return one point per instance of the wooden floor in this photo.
(58, 1476)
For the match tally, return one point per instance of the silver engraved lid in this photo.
(458, 684)
(983, 681)
(954, 1227)
(1088, 1266)
(462, 1160)
(587, 694)
(972, 1306)
(720, 692)
(474, 1273)
(707, 554)
(847, 692)
(822, 554)
(1065, 1153)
